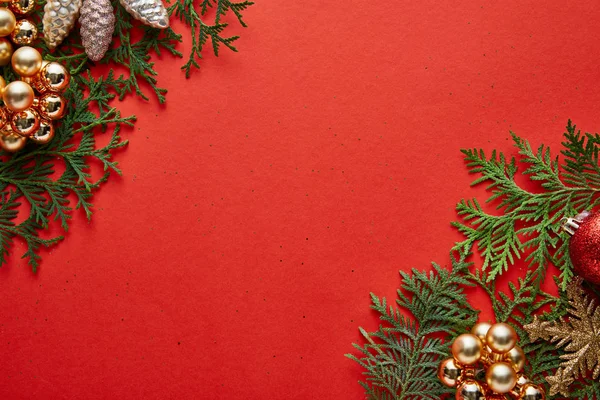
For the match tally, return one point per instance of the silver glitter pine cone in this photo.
(97, 21)
(150, 12)
(59, 19)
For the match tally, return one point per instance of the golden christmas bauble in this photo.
(516, 358)
(22, 6)
(466, 349)
(6, 51)
(470, 390)
(18, 96)
(25, 32)
(449, 372)
(7, 21)
(26, 122)
(45, 132)
(501, 377)
(55, 77)
(501, 338)
(522, 380)
(26, 61)
(532, 392)
(12, 142)
(52, 106)
(481, 329)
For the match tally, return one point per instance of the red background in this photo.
(278, 187)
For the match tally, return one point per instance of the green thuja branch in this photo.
(401, 357)
(529, 222)
(195, 16)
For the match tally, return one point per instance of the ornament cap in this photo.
(570, 225)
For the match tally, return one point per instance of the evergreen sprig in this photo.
(401, 357)
(37, 182)
(530, 222)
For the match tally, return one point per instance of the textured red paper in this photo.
(278, 187)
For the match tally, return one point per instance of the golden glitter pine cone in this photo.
(59, 19)
(97, 26)
(149, 12)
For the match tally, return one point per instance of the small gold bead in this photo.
(6, 52)
(470, 390)
(532, 392)
(501, 338)
(18, 96)
(516, 358)
(12, 142)
(449, 372)
(26, 61)
(7, 21)
(481, 329)
(25, 32)
(467, 348)
(501, 377)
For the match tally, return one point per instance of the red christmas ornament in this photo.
(584, 246)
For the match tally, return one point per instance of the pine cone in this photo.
(59, 19)
(97, 26)
(150, 12)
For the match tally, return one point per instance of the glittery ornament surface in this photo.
(584, 249)
(59, 19)
(97, 25)
(150, 12)
(579, 337)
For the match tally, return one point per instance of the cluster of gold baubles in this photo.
(34, 101)
(491, 349)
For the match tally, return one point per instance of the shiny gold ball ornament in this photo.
(532, 392)
(470, 390)
(18, 96)
(467, 348)
(26, 61)
(7, 22)
(501, 377)
(22, 6)
(516, 358)
(25, 32)
(54, 77)
(501, 338)
(45, 132)
(6, 52)
(52, 106)
(12, 142)
(449, 372)
(26, 122)
(481, 329)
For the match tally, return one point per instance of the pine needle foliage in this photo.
(529, 223)
(37, 183)
(400, 360)
(401, 357)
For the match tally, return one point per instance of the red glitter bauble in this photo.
(584, 247)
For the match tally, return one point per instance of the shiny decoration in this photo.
(45, 132)
(501, 377)
(493, 348)
(22, 6)
(18, 96)
(25, 123)
(25, 32)
(584, 245)
(481, 329)
(467, 349)
(35, 100)
(97, 21)
(12, 142)
(470, 390)
(26, 61)
(54, 77)
(149, 12)
(578, 335)
(501, 338)
(516, 358)
(449, 372)
(52, 106)
(6, 51)
(59, 18)
(7, 22)
(532, 392)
